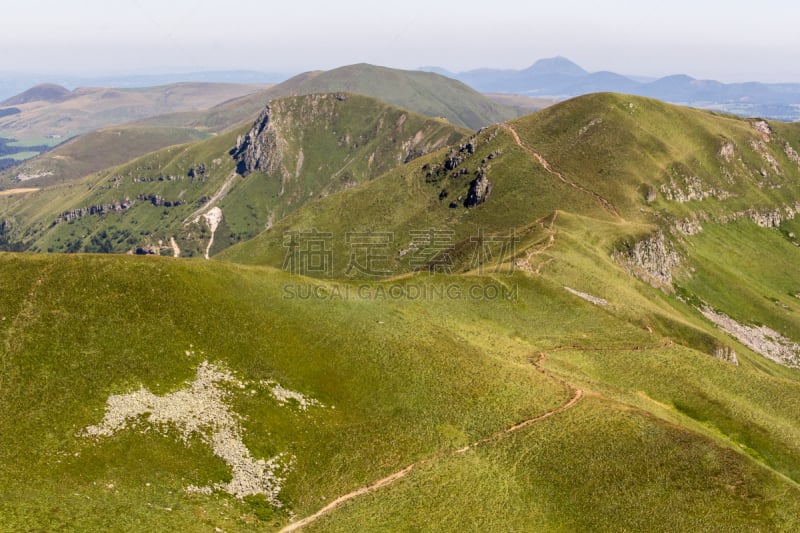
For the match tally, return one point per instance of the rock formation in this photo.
(260, 148)
(652, 260)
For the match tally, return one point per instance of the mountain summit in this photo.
(46, 92)
(558, 65)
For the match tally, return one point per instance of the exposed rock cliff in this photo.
(102, 209)
(652, 260)
(260, 149)
(479, 189)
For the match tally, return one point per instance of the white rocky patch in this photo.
(588, 297)
(200, 410)
(283, 396)
(761, 339)
(213, 219)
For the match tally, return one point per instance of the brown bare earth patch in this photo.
(12, 192)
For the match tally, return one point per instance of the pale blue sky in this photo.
(730, 40)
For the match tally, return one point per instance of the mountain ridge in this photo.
(561, 78)
(605, 290)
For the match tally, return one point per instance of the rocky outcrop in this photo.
(479, 190)
(689, 226)
(684, 189)
(259, 150)
(727, 151)
(791, 153)
(769, 218)
(763, 128)
(158, 201)
(101, 209)
(153, 179)
(197, 171)
(761, 149)
(726, 354)
(652, 260)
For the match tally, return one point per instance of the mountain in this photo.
(582, 319)
(13, 83)
(93, 152)
(561, 78)
(553, 74)
(425, 93)
(47, 92)
(607, 148)
(50, 111)
(201, 197)
(431, 95)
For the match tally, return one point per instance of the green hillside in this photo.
(94, 152)
(422, 92)
(633, 163)
(90, 108)
(583, 319)
(326, 143)
(639, 436)
(591, 195)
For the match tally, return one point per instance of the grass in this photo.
(424, 93)
(21, 156)
(97, 151)
(561, 476)
(665, 437)
(402, 390)
(39, 141)
(372, 129)
(409, 379)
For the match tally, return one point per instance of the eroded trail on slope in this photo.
(576, 395)
(608, 206)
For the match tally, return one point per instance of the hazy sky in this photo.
(729, 40)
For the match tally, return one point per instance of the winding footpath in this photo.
(575, 397)
(608, 206)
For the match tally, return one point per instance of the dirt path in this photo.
(220, 194)
(577, 394)
(608, 206)
(11, 192)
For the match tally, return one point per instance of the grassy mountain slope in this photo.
(88, 108)
(327, 143)
(636, 163)
(93, 152)
(468, 385)
(429, 95)
(422, 92)
(401, 381)
(386, 403)
(594, 190)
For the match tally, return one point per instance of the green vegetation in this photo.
(94, 152)
(88, 109)
(422, 92)
(639, 413)
(50, 141)
(327, 144)
(21, 156)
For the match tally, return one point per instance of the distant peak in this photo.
(46, 92)
(556, 65)
(676, 78)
